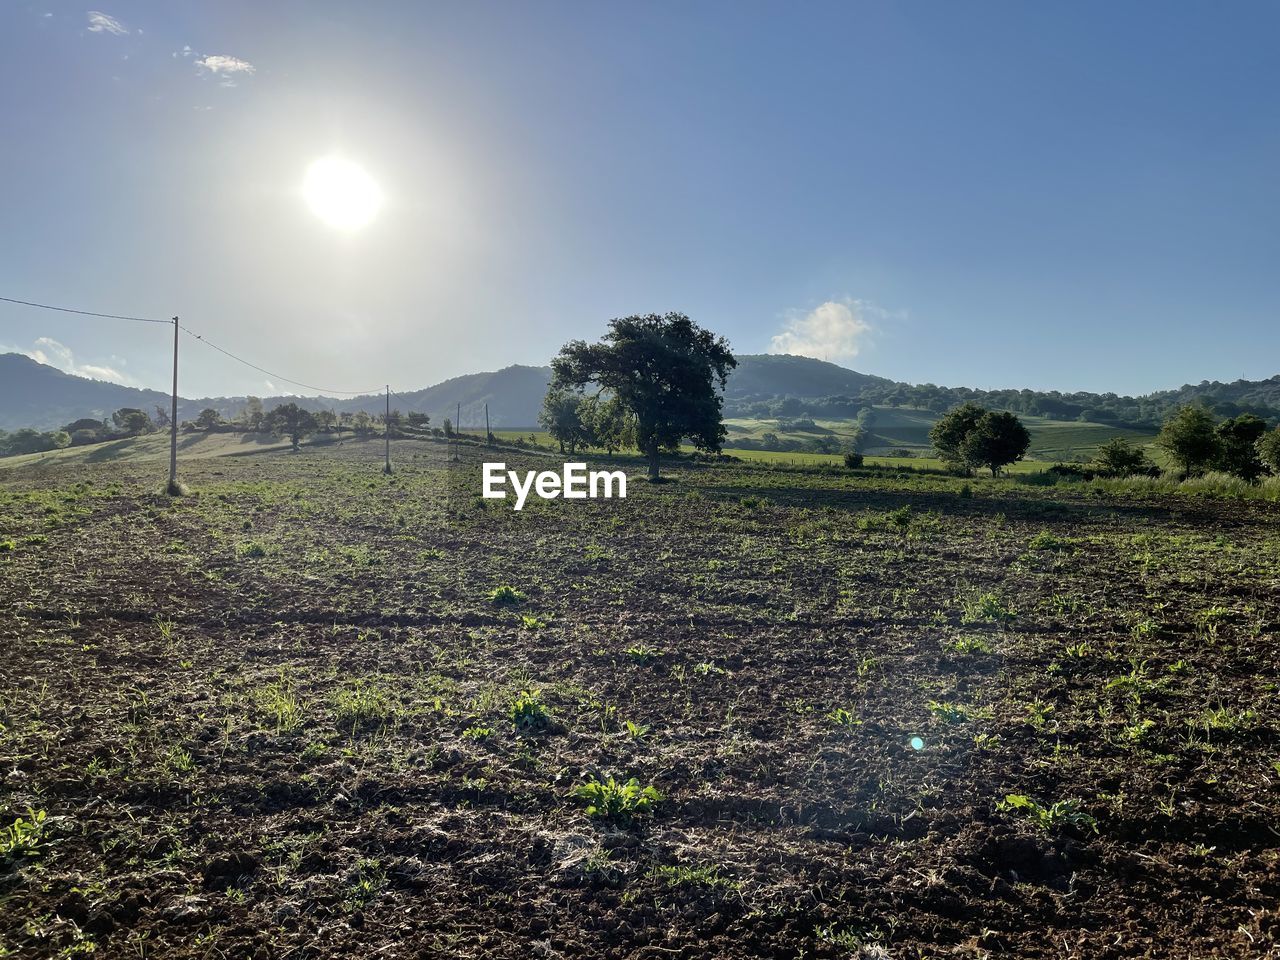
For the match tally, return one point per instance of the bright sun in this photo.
(341, 193)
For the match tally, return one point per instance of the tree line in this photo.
(286, 420)
(1259, 398)
(1193, 440)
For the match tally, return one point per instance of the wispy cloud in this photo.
(49, 351)
(835, 330)
(100, 22)
(224, 67)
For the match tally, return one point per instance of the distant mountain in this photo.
(514, 395)
(33, 394)
(36, 395)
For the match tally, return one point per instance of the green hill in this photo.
(763, 376)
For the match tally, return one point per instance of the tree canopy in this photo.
(666, 371)
(1120, 458)
(132, 422)
(1190, 438)
(971, 436)
(290, 420)
(1269, 450)
(1238, 446)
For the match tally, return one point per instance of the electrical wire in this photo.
(297, 383)
(207, 343)
(84, 313)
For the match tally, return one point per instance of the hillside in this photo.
(763, 376)
(33, 394)
(36, 395)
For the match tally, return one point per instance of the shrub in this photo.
(853, 460)
(1119, 458)
(1269, 450)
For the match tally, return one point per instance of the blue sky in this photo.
(1070, 196)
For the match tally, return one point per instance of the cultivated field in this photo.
(312, 711)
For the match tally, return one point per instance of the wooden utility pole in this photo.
(387, 431)
(457, 421)
(488, 435)
(173, 488)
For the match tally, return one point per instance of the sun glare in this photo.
(341, 193)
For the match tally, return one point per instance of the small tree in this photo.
(209, 419)
(85, 424)
(1238, 446)
(1269, 450)
(325, 420)
(161, 418)
(391, 421)
(251, 416)
(290, 420)
(996, 440)
(664, 370)
(1189, 439)
(947, 435)
(132, 422)
(1120, 458)
(27, 440)
(608, 424)
(561, 415)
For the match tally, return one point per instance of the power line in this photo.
(296, 383)
(191, 333)
(84, 313)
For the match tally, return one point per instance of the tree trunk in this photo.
(652, 453)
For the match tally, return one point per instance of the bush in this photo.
(1119, 458)
(1269, 450)
(853, 460)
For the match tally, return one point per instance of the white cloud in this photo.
(224, 67)
(100, 22)
(835, 330)
(49, 351)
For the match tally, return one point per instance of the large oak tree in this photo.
(665, 370)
